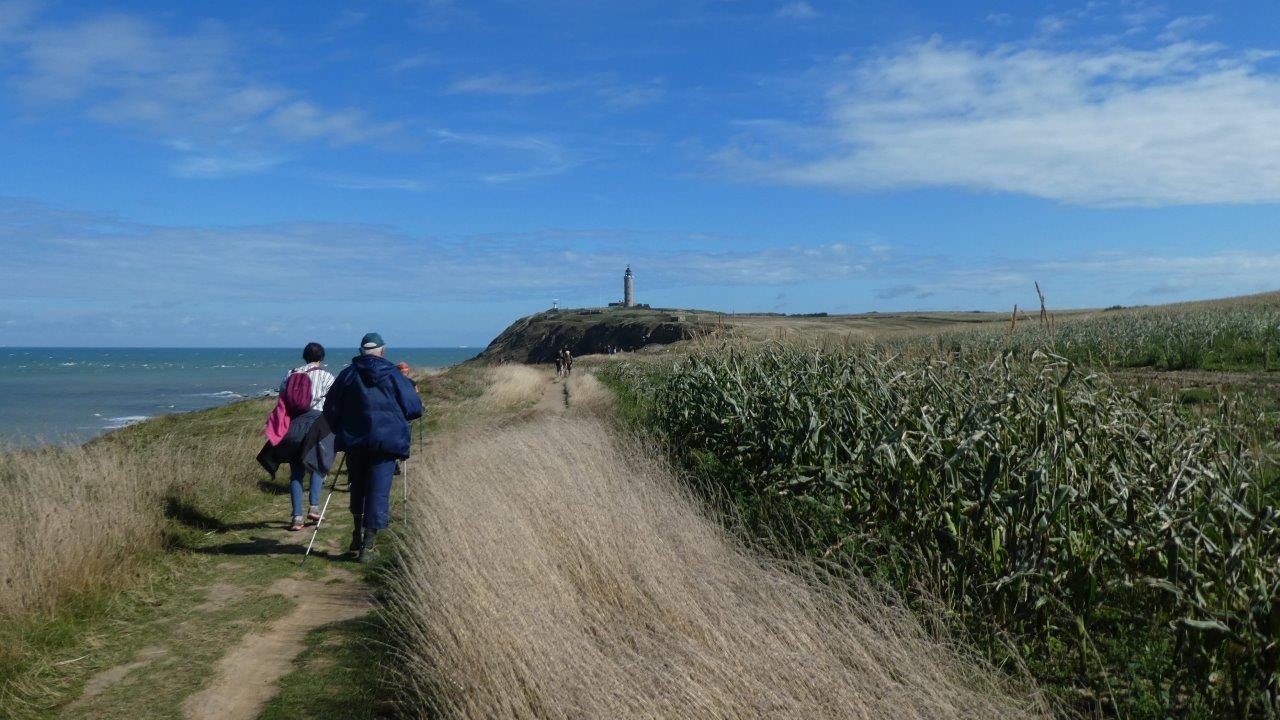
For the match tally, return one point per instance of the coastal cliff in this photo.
(537, 338)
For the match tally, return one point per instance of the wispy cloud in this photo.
(629, 96)
(607, 87)
(798, 10)
(101, 258)
(501, 84)
(411, 62)
(185, 89)
(1096, 279)
(141, 275)
(539, 156)
(1182, 123)
(1180, 27)
(219, 166)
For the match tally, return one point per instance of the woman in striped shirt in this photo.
(321, 381)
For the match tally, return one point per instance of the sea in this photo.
(69, 395)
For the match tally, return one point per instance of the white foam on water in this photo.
(116, 423)
(228, 394)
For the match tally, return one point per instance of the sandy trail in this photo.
(555, 398)
(245, 677)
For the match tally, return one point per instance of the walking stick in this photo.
(405, 470)
(324, 508)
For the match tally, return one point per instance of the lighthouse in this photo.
(628, 289)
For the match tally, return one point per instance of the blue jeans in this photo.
(370, 476)
(296, 471)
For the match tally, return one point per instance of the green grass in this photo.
(345, 672)
(216, 534)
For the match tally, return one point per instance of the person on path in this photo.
(369, 409)
(568, 362)
(559, 365)
(321, 381)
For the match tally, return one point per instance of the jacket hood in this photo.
(372, 369)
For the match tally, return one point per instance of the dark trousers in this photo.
(370, 476)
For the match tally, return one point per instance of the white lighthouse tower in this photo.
(628, 289)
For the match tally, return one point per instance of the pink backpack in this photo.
(297, 393)
(294, 401)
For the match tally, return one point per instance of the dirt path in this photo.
(246, 675)
(555, 399)
(221, 647)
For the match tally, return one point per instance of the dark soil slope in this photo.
(537, 338)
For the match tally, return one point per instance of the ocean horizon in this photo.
(56, 395)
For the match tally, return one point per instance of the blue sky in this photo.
(227, 173)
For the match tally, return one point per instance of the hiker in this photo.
(568, 362)
(559, 365)
(369, 409)
(298, 434)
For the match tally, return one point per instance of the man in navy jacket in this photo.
(368, 409)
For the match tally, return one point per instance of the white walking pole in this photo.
(323, 509)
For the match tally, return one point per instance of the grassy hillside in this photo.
(537, 338)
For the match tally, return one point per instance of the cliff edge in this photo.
(537, 338)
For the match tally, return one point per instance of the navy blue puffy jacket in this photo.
(369, 407)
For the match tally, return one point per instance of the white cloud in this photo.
(211, 166)
(627, 97)
(184, 89)
(1180, 27)
(606, 87)
(1184, 123)
(543, 156)
(798, 10)
(411, 62)
(501, 84)
(104, 259)
(1094, 280)
(305, 121)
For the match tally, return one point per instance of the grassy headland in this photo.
(1114, 533)
(1116, 537)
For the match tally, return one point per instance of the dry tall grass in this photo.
(67, 515)
(587, 395)
(513, 385)
(551, 573)
(72, 517)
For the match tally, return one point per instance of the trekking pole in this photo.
(418, 423)
(323, 509)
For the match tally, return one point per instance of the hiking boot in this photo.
(366, 550)
(357, 535)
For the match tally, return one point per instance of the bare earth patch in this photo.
(105, 679)
(220, 595)
(245, 678)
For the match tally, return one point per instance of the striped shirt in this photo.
(321, 381)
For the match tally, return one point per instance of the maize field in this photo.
(1122, 549)
(1239, 334)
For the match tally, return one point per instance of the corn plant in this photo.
(1038, 501)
